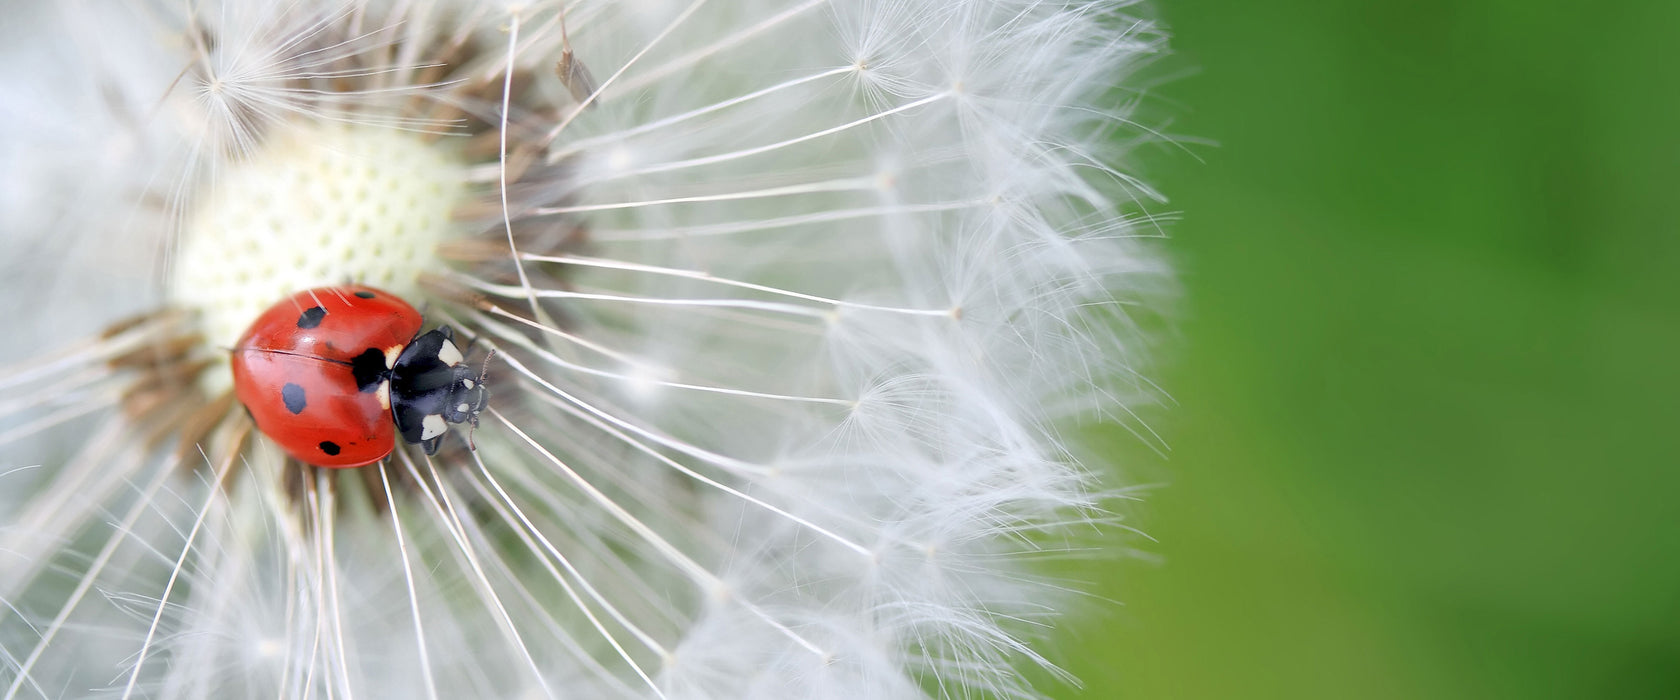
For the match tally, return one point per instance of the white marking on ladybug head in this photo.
(449, 354)
(384, 394)
(432, 426)
(467, 383)
(391, 355)
(463, 408)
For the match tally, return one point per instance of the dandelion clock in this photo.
(727, 349)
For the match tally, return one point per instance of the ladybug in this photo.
(333, 374)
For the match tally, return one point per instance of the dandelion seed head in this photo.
(317, 205)
(792, 305)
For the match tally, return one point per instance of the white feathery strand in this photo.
(692, 58)
(697, 573)
(585, 144)
(298, 62)
(770, 147)
(49, 366)
(752, 225)
(73, 386)
(508, 292)
(508, 335)
(92, 476)
(213, 491)
(216, 562)
(100, 401)
(704, 276)
(289, 668)
(408, 579)
(655, 41)
(851, 184)
(485, 589)
(18, 470)
(307, 582)
(280, 513)
(557, 630)
(356, 73)
(501, 164)
(504, 506)
(705, 579)
(644, 448)
(826, 316)
(573, 338)
(319, 25)
(119, 533)
(746, 318)
(323, 506)
(12, 662)
(595, 543)
(721, 461)
(560, 632)
(408, 48)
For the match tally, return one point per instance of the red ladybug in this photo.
(333, 374)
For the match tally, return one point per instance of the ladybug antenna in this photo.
(483, 372)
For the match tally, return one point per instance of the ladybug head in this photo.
(467, 397)
(432, 387)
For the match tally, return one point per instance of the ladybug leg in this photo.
(471, 343)
(447, 332)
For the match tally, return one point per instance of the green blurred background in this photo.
(1427, 382)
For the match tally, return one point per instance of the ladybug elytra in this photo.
(334, 374)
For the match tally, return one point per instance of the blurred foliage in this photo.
(1427, 379)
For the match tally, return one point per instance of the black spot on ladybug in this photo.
(311, 317)
(368, 369)
(329, 447)
(292, 394)
(365, 294)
